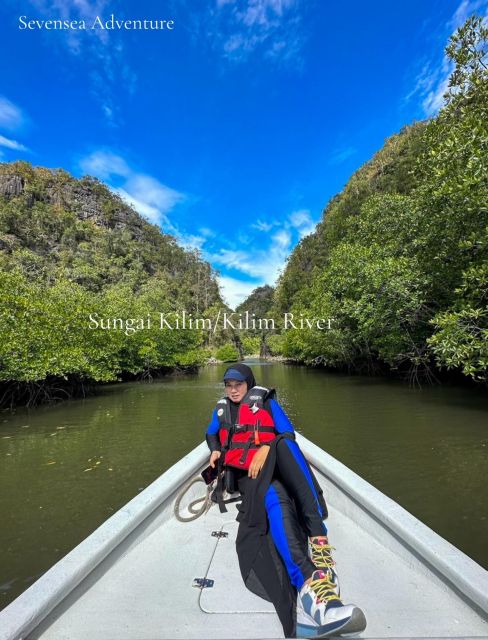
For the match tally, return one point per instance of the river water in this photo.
(65, 469)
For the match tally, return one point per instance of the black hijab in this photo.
(246, 372)
(250, 381)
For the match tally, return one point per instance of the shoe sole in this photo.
(355, 624)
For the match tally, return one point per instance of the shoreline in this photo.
(16, 394)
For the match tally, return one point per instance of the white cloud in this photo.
(149, 197)
(235, 291)
(439, 83)
(12, 144)
(465, 9)
(282, 239)
(260, 225)
(208, 233)
(151, 213)
(76, 42)
(300, 218)
(302, 221)
(264, 260)
(341, 155)
(431, 85)
(271, 27)
(11, 117)
(233, 259)
(262, 264)
(191, 241)
(433, 80)
(264, 12)
(153, 192)
(104, 165)
(102, 52)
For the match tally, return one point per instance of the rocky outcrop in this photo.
(11, 185)
(8, 242)
(76, 198)
(89, 205)
(88, 199)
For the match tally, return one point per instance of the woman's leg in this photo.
(287, 534)
(296, 476)
(263, 569)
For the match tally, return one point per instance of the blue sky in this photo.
(233, 130)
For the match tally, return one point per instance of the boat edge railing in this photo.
(25, 613)
(465, 575)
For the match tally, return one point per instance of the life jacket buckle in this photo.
(245, 451)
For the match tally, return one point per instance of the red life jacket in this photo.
(254, 427)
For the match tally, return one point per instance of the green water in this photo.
(427, 449)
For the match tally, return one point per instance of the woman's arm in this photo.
(281, 420)
(282, 425)
(212, 434)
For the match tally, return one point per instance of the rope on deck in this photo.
(192, 507)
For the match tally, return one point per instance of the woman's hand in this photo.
(214, 457)
(258, 461)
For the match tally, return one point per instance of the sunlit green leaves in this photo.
(70, 248)
(227, 353)
(400, 259)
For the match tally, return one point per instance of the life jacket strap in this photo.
(218, 493)
(248, 445)
(243, 428)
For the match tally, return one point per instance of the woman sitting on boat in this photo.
(282, 545)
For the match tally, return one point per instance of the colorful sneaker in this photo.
(319, 551)
(320, 612)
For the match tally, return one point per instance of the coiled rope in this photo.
(192, 507)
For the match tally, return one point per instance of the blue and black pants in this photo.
(294, 509)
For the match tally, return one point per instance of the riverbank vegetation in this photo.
(70, 248)
(400, 258)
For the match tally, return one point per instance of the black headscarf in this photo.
(246, 372)
(250, 381)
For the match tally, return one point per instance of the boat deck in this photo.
(143, 590)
